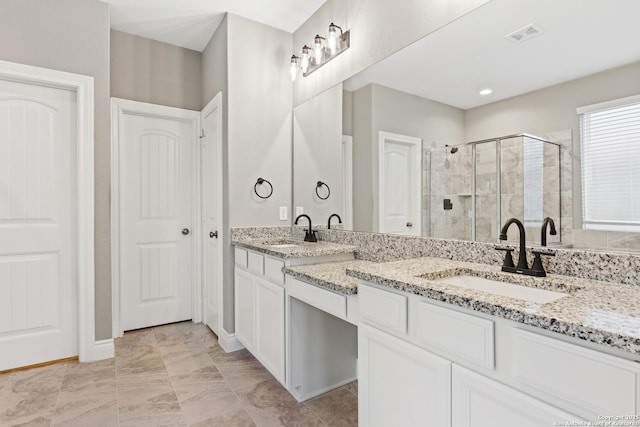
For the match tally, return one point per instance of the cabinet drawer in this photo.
(584, 381)
(255, 263)
(457, 335)
(240, 257)
(273, 270)
(324, 300)
(383, 308)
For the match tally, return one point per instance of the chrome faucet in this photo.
(543, 231)
(537, 269)
(329, 221)
(309, 235)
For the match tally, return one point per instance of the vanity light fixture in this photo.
(324, 50)
(486, 91)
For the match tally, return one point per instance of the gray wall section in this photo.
(378, 29)
(214, 80)
(73, 36)
(363, 166)
(151, 71)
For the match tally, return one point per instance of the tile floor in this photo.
(171, 375)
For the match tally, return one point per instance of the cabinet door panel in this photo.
(245, 308)
(480, 402)
(400, 384)
(270, 327)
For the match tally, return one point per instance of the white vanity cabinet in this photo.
(259, 308)
(400, 384)
(478, 401)
(502, 373)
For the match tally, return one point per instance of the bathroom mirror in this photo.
(317, 156)
(430, 90)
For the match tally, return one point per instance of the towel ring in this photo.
(261, 181)
(319, 185)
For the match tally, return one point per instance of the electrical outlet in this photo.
(283, 213)
(299, 210)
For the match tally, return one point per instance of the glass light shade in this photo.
(304, 60)
(317, 49)
(293, 69)
(332, 39)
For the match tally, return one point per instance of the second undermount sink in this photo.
(510, 290)
(285, 245)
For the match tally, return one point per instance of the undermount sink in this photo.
(283, 243)
(524, 293)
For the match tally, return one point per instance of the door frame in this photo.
(215, 104)
(125, 106)
(88, 348)
(416, 144)
(347, 183)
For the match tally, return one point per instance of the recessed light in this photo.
(486, 91)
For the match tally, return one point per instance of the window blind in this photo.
(610, 146)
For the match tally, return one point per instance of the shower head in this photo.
(453, 149)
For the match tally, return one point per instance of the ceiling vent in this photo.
(524, 33)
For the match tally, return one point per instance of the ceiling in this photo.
(580, 37)
(191, 23)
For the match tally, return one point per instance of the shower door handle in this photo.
(409, 224)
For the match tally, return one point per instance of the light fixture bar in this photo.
(323, 50)
(343, 43)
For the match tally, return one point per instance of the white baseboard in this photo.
(229, 342)
(104, 349)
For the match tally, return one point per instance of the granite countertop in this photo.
(600, 312)
(329, 275)
(292, 248)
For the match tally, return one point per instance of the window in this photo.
(610, 145)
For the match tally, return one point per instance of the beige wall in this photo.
(151, 71)
(73, 36)
(378, 29)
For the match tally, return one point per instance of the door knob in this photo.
(213, 234)
(409, 224)
(185, 231)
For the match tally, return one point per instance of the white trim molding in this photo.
(83, 87)
(104, 349)
(125, 106)
(229, 342)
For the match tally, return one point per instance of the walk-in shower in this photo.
(471, 189)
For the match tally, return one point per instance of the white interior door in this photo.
(157, 189)
(399, 186)
(38, 223)
(212, 212)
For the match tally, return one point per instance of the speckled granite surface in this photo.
(592, 265)
(291, 248)
(599, 312)
(329, 275)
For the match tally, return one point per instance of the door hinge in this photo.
(202, 135)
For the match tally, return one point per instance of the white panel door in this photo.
(38, 202)
(399, 184)
(211, 200)
(400, 384)
(156, 219)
